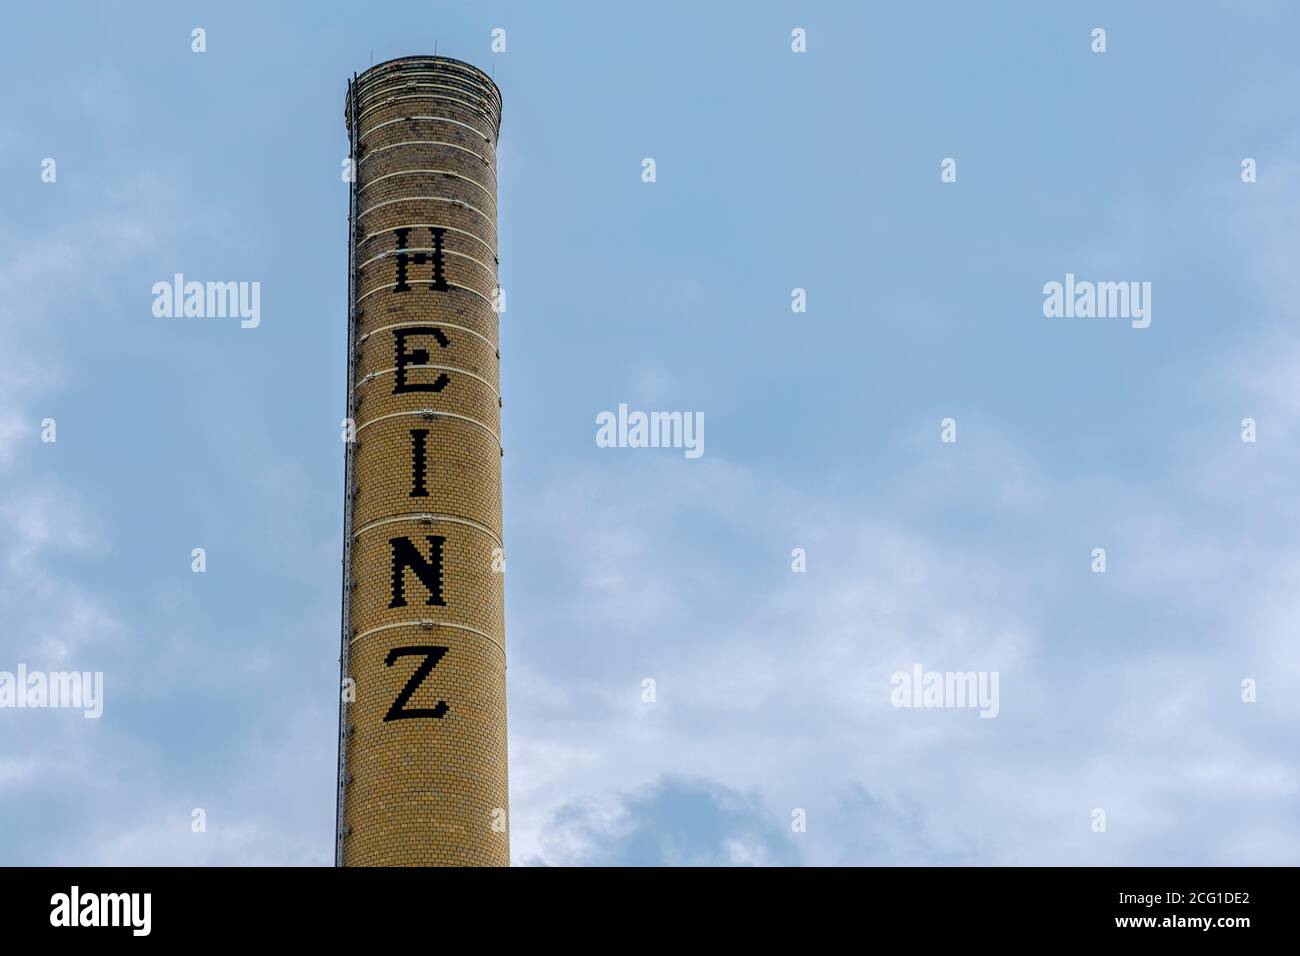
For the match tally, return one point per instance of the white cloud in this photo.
(671, 822)
(778, 681)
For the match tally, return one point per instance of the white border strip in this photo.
(424, 517)
(390, 99)
(439, 119)
(433, 225)
(442, 325)
(454, 202)
(432, 413)
(448, 252)
(371, 376)
(439, 172)
(428, 142)
(430, 624)
(450, 285)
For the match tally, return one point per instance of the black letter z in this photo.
(431, 657)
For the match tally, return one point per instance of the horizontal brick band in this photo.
(380, 372)
(458, 472)
(388, 231)
(427, 518)
(435, 172)
(442, 68)
(408, 271)
(428, 119)
(486, 217)
(401, 87)
(378, 82)
(431, 414)
(434, 100)
(361, 340)
(429, 624)
(385, 260)
(470, 590)
(387, 86)
(393, 285)
(426, 144)
(443, 342)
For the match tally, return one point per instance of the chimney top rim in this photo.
(387, 65)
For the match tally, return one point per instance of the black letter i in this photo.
(418, 460)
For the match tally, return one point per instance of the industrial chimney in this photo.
(422, 723)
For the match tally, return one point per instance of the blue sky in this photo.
(775, 170)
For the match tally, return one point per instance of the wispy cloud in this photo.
(670, 822)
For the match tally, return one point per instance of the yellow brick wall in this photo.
(423, 791)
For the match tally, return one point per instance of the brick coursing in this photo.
(423, 791)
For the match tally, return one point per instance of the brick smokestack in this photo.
(422, 747)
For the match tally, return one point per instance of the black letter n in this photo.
(405, 555)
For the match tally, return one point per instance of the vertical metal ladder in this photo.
(345, 647)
